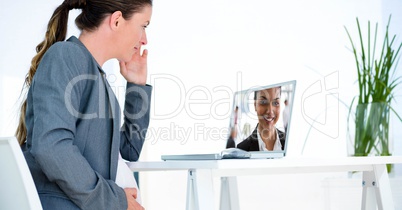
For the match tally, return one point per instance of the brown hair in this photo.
(93, 13)
(256, 92)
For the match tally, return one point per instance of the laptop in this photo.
(256, 113)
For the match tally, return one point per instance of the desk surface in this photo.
(294, 164)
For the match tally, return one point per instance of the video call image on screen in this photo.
(260, 114)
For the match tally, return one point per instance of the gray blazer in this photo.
(74, 134)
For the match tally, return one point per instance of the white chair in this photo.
(17, 189)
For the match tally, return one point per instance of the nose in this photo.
(269, 109)
(144, 40)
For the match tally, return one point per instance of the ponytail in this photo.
(56, 31)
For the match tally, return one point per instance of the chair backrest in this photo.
(17, 189)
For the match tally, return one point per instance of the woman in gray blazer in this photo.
(70, 121)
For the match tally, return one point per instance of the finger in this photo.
(133, 192)
(145, 53)
(122, 65)
(138, 206)
(139, 50)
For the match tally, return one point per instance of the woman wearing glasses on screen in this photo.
(266, 137)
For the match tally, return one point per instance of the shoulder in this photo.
(281, 134)
(71, 52)
(250, 143)
(244, 144)
(65, 62)
(68, 50)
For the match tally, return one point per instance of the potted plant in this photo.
(377, 83)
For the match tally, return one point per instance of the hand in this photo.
(131, 195)
(135, 70)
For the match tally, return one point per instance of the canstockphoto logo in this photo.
(323, 96)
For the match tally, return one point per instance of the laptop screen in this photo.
(260, 119)
(259, 123)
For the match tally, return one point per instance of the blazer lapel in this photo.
(254, 141)
(115, 144)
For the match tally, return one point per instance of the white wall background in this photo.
(199, 53)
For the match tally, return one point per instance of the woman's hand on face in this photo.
(131, 195)
(135, 70)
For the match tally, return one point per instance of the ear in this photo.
(116, 19)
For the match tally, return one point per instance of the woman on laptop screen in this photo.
(266, 136)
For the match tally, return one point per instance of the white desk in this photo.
(375, 183)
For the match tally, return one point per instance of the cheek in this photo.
(131, 36)
(136, 36)
(277, 112)
(260, 110)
